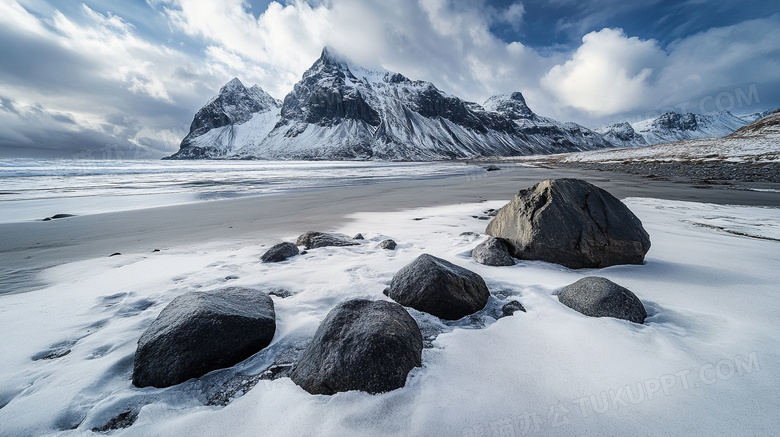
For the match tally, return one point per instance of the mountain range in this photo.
(342, 111)
(671, 127)
(757, 142)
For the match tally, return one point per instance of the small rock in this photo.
(388, 244)
(438, 287)
(122, 420)
(280, 293)
(511, 308)
(114, 254)
(358, 237)
(491, 212)
(599, 297)
(203, 331)
(361, 345)
(469, 234)
(279, 253)
(58, 216)
(313, 240)
(155, 250)
(492, 252)
(492, 167)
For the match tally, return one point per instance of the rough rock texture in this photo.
(361, 345)
(313, 240)
(600, 297)
(438, 287)
(358, 237)
(572, 223)
(388, 244)
(280, 252)
(511, 308)
(202, 331)
(492, 252)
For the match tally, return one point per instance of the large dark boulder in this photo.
(600, 297)
(438, 287)
(203, 331)
(492, 252)
(361, 345)
(313, 240)
(279, 253)
(572, 223)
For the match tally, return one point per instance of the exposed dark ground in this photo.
(697, 173)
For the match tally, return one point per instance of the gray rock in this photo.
(492, 167)
(361, 345)
(600, 297)
(572, 223)
(388, 244)
(202, 331)
(313, 240)
(358, 237)
(438, 287)
(492, 252)
(511, 308)
(279, 253)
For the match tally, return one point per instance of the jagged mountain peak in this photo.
(511, 104)
(341, 110)
(233, 85)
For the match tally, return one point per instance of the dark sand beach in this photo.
(27, 248)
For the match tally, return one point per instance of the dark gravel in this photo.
(696, 172)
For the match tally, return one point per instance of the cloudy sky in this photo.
(123, 78)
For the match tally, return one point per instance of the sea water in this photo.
(33, 189)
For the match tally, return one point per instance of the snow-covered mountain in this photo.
(236, 116)
(343, 111)
(622, 135)
(672, 126)
(755, 143)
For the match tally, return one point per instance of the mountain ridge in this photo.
(339, 110)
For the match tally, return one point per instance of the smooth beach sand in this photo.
(26, 248)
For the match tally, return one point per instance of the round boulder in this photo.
(279, 253)
(600, 297)
(361, 345)
(492, 252)
(438, 287)
(572, 223)
(203, 331)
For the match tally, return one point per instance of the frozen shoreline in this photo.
(705, 361)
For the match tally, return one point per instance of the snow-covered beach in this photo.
(706, 361)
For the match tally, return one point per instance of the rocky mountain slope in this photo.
(237, 115)
(343, 111)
